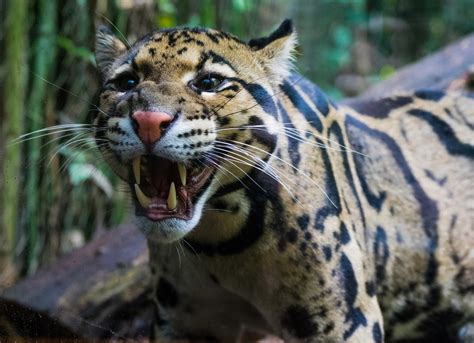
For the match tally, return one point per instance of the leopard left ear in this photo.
(107, 48)
(275, 52)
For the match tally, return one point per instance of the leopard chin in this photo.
(163, 231)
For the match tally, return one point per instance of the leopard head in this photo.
(184, 112)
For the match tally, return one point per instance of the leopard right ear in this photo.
(107, 48)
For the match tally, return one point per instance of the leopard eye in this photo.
(207, 83)
(126, 82)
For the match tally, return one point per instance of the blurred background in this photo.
(55, 191)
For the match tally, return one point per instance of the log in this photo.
(99, 291)
(102, 290)
(454, 64)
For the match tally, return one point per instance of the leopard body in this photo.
(321, 222)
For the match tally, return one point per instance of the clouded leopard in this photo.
(268, 206)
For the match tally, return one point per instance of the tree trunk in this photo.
(12, 119)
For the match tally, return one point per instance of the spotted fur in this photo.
(321, 223)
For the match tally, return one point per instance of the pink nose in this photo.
(151, 125)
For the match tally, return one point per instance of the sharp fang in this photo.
(182, 173)
(172, 201)
(142, 198)
(136, 169)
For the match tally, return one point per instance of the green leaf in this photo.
(74, 50)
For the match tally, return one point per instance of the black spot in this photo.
(212, 37)
(223, 120)
(303, 222)
(354, 314)
(328, 328)
(303, 247)
(282, 245)
(152, 52)
(166, 293)
(299, 322)
(344, 234)
(321, 216)
(292, 235)
(370, 288)
(327, 252)
(182, 50)
(377, 333)
(381, 254)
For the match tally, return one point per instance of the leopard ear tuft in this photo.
(107, 48)
(276, 51)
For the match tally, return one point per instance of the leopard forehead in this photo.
(169, 53)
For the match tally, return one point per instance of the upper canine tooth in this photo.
(182, 173)
(136, 169)
(172, 201)
(142, 198)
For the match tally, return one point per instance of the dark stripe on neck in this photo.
(313, 92)
(300, 104)
(254, 227)
(336, 130)
(332, 193)
(293, 143)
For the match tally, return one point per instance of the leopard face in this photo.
(184, 112)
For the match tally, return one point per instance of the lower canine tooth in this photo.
(136, 169)
(172, 201)
(142, 198)
(182, 173)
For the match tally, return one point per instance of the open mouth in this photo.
(166, 189)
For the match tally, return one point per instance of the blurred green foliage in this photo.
(56, 191)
